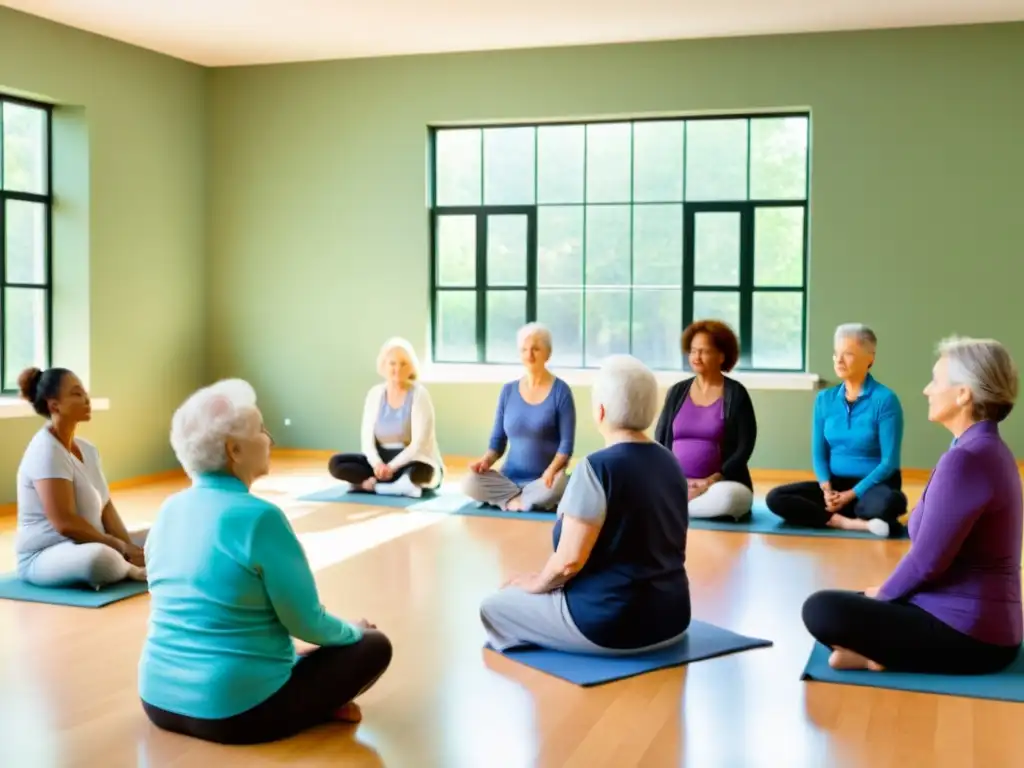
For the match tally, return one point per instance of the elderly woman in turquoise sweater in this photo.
(230, 586)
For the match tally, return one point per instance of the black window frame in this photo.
(46, 199)
(747, 208)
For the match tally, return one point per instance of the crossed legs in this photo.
(69, 564)
(492, 487)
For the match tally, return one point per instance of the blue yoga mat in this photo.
(1007, 685)
(343, 494)
(761, 520)
(13, 588)
(475, 509)
(702, 641)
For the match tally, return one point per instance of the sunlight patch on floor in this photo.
(330, 547)
(292, 485)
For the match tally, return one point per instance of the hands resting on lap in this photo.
(836, 500)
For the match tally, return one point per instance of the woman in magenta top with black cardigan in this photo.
(708, 423)
(953, 604)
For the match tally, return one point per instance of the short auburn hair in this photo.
(722, 338)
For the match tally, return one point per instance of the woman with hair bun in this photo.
(69, 532)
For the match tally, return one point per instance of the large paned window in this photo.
(26, 203)
(616, 235)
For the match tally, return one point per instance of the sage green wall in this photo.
(129, 232)
(318, 226)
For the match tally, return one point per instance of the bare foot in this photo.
(515, 505)
(349, 713)
(842, 658)
(369, 485)
(847, 524)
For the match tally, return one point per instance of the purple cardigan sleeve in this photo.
(956, 496)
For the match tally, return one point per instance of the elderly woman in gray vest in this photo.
(400, 454)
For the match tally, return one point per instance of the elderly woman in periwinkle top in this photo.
(400, 455)
(953, 604)
(616, 581)
(536, 420)
(230, 586)
(856, 439)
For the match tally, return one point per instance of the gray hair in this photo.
(396, 342)
(628, 391)
(202, 424)
(864, 335)
(985, 367)
(534, 329)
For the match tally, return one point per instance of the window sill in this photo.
(12, 407)
(456, 373)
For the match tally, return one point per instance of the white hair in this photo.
(864, 335)
(628, 391)
(202, 424)
(539, 330)
(985, 367)
(397, 342)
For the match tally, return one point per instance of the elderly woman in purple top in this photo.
(953, 604)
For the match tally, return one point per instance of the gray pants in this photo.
(723, 499)
(513, 617)
(69, 564)
(492, 487)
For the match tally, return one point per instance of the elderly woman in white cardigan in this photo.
(400, 455)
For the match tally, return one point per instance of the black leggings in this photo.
(355, 467)
(899, 636)
(804, 503)
(321, 683)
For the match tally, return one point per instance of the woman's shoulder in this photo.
(883, 394)
(561, 387)
(44, 449)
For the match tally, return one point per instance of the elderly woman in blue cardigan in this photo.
(856, 441)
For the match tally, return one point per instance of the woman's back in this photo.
(215, 643)
(633, 590)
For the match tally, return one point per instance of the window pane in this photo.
(607, 324)
(608, 245)
(508, 166)
(560, 159)
(456, 326)
(718, 305)
(658, 245)
(506, 314)
(716, 160)
(26, 242)
(778, 330)
(658, 161)
(609, 166)
(458, 171)
(657, 326)
(24, 150)
(778, 158)
(716, 248)
(25, 342)
(560, 246)
(506, 249)
(779, 247)
(456, 250)
(562, 312)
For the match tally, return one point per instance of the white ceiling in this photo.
(236, 32)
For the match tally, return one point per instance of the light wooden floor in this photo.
(68, 676)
